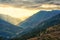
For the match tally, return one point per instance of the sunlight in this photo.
(16, 12)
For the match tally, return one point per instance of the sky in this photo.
(29, 3)
(16, 12)
(21, 8)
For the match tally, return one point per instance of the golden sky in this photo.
(16, 12)
(22, 12)
(23, 9)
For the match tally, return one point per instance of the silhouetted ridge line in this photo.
(39, 17)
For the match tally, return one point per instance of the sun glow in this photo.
(16, 12)
(22, 13)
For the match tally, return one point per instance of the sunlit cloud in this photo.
(33, 4)
(19, 8)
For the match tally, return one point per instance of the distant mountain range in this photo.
(10, 19)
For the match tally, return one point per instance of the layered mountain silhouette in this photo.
(30, 27)
(10, 19)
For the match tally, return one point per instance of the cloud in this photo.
(29, 3)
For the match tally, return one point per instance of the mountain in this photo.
(8, 30)
(32, 26)
(10, 19)
(40, 22)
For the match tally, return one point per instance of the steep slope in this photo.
(39, 17)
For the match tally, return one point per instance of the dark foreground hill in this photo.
(52, 33)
